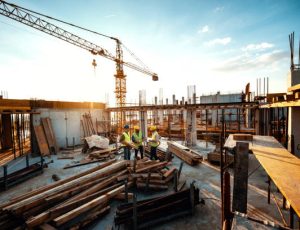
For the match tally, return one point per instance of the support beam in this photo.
(240, 189)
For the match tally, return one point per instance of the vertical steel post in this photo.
(221, 167)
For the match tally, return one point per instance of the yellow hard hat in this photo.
(136, 127)
(153, 127)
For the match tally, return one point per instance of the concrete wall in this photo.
(293, 78)
(66, 123)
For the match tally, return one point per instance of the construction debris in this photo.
(97, 141)
(189, 156)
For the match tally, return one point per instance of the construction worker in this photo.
(125, 140)
(154, 142)
(137, 139)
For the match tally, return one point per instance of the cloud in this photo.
(110, 16)
(219, 9)
(219, 41)
(204, 29)
(257, 47)
(246, 61)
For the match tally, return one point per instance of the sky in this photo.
(212, 45)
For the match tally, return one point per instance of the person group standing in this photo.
(137, 139)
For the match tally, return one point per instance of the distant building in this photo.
(214, 116)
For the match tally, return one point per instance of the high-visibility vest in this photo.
(156, 143)
(138, 138)
(127, 137)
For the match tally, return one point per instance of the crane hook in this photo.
(94, 63)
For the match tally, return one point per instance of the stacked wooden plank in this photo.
(189, 156)
(50, 135)
(45, 137)
(103, 153)
(73, 201)
(41, 140)
(150, 174)
(87, 125)
(150, 212)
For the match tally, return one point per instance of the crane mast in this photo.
(27, 17)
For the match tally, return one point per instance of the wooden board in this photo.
(48, 134)
(52, 134)
(294, 88)
(280, 165)
(41, 139)
(242, 137)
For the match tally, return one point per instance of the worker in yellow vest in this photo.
(154, 142)
(125, 140)
(137, 139)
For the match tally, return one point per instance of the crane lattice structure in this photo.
(29, 18)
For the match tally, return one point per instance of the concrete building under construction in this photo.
(222, 161)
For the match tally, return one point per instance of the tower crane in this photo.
(30, 18)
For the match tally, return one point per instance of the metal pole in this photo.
(221, 167)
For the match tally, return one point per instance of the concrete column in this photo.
(191, 131)
(294, 130)
(257, 122)
(143, 123)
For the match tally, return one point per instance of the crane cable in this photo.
(58, 20)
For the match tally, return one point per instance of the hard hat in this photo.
(126, 126)
(136, 127)
(153, 127)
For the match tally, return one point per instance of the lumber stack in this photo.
(150, 174)
(87, 125)
(70, 202)
(103, 153)
(189, 156)
(150, 212)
